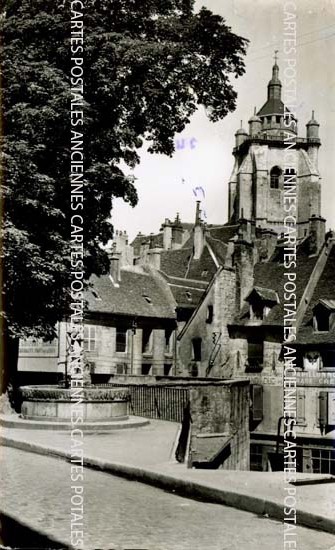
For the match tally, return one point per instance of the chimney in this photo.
(177, 233)
(317, 234)
(244, 259)
(167, 234)
(154, 258)
(198, 234)
(115, 266)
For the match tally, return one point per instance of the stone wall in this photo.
(222, 409)
(221, 296)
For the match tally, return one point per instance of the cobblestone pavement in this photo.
(123, 514)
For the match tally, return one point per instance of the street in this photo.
(123, 514)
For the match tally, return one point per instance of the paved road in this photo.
(123, 514)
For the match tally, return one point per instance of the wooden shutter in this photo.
(257, 402)
(323, 408)
(301, 417)
(331, 409)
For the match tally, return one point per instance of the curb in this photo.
(121, 423)
(183, 487)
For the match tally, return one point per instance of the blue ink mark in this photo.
(180, 144)
(196, 191)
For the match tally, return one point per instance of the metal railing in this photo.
(156, 401)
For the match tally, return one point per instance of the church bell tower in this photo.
(256, 184)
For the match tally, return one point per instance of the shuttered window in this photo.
(323, 408)
(331, 409)
(301, 402)
(257, 402)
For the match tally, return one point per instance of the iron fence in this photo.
(160, 402)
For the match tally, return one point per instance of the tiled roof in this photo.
(223, 233)
(306, 335)
(267, 294)
(270, 275)
(219, 249)
(187, 297)
(328, 304)
(272, 107)
(175, 262)
(204, 268)
(189, 283)
(157, 241)
(325, 291)
(139, 294)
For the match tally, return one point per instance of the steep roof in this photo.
(270, 275)
(175, 262)
(273, 106)
(157, 241)
(266, 294)
(324, 292)
(140, 294)
(223, 233)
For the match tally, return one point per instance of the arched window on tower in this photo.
(275, 175)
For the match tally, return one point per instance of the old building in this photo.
(129, 329)
(236, 327)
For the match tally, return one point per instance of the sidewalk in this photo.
(146, 454)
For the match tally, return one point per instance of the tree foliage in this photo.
(148, 65)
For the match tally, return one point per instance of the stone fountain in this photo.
(102, 408)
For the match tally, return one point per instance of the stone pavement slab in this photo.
(146, 454)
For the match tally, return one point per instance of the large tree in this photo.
(148, 65)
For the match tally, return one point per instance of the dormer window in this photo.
(324, 316)
(261, 301)
(275, 176)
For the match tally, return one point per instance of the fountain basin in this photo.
(93, 403)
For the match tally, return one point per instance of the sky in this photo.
(166, 185)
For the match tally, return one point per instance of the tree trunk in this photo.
(9, 356)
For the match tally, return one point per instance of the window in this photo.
(257, 310)
(255, 353)
(301, 416)
(256, 457)
(95, 294)
(121, 340)
(278, 119)
(210, 312)
(257, 403)
(90, 341)
(275, 175)
(196, 349)
(168, 341)
(323, 461)
(328, 359)
(146, 370)
(189, 296)
(147, 340)
(167, 370)
(321, 320)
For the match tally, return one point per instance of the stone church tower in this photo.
(256, 184)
